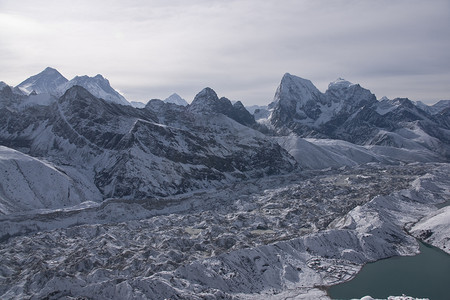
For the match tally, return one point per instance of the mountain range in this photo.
(209, 200)
(51, 82)
(352, 113)
(168, 147)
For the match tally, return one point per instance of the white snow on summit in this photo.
(339, 83)
(97, 86)
(51, 82)
(296, 89)
(47, 81)
(176, 99)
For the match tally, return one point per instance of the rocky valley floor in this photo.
(280, 236)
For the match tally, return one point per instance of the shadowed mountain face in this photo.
(207, 101)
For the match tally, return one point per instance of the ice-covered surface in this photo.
(435, 108)
(326, 153)
(275, 237)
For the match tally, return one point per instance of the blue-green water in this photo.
(426, 275)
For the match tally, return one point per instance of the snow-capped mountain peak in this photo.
(98, 86)
(350, 94)
(296, 89)
(47, 81)
(207, 101)
(176, 99)
(51, 82)
(204, 100)
(339, 83)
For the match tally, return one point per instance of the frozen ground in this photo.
(281, 237)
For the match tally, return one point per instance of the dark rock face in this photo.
(207, 101)
(159, 150)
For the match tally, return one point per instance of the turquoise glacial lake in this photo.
(426, 275)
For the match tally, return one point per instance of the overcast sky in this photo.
(241, 49)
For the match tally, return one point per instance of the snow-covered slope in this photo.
(27, 183)
(97, 86)
(435, 108)
(434, 229)
(251, 109)
(322, 154)
(51, 82)
(47, 81)
(326, 153)
(137, 104)
(349, 112)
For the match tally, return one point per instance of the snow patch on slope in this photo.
(434, 229)
(27, 183)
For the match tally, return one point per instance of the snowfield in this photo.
(275, 237)
(27, 184)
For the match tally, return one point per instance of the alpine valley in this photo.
(105, 199)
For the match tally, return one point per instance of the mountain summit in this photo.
(47, 81)
(98, 86)
(176, 99)
(207, 101)
(298, 105)
(50, 81)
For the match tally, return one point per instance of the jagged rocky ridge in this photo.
(349, 112)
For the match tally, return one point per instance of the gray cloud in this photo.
(150, 49)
